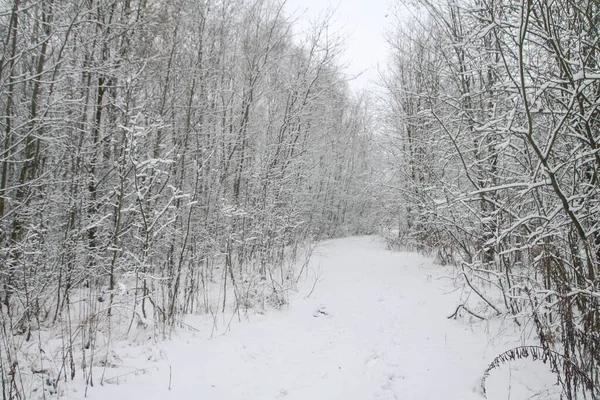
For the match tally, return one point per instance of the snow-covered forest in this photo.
(494, 122)
(167, 159)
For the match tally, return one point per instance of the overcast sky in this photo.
(363, 22)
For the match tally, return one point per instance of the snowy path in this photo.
(383, 334)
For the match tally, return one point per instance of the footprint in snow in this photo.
(320, 312)
(372, 361)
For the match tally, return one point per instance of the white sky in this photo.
(363, 22)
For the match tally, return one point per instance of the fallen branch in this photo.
(455, 313)
(142, 370)
(478, 292)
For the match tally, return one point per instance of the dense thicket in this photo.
(493, 117)
(151, 148)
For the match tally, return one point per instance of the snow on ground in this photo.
(374, 327)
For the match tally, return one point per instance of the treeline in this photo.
(493, 121)
(152, 147)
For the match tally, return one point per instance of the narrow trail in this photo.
(375, 327)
